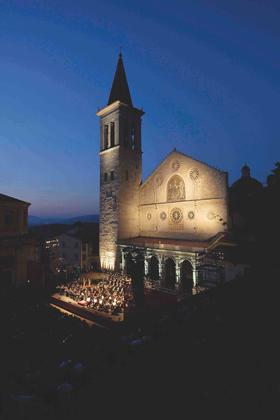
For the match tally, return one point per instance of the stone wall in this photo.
(109, 211)
(129, 194)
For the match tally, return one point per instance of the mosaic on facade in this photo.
(176, 189)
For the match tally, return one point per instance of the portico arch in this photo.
(186, 276)
(153, 268)
(170, 273)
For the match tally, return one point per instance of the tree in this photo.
(273, 180)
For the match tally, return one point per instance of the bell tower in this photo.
(120, 169)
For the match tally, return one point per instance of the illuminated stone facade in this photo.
(172, 217)
(175, 203)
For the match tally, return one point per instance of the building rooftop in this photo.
(180, 244)
(6, 198)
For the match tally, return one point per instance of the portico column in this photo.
(122, 262)
(177, 269)
(195, 275)
(146, 265)
(160, 267)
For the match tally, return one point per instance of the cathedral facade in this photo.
(162, 226)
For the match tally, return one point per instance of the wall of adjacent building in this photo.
(69, 250)
(13, 218)
(14, 259)
(17, 250)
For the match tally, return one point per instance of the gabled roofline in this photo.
(13, 199)
(183, 154)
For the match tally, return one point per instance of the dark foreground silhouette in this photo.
(217, 353)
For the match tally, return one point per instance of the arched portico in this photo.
(174, 269)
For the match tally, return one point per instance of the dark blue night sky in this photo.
(205, 72)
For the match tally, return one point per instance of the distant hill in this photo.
(84, 219)
(35, 220)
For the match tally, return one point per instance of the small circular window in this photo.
(191, 215)
(210, 215)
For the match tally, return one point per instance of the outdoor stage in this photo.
(98, 318)
(155, 301)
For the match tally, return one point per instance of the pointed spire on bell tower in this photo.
(120, 89)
